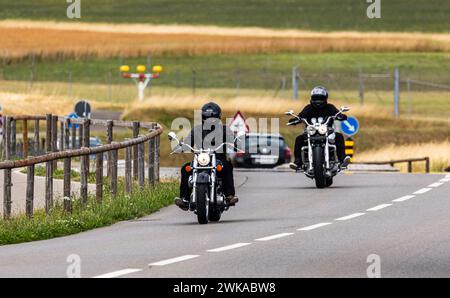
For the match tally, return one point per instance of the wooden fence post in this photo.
(427, 164)
(7, 172)
(99, 177)
(84, 171)
(109, 139)
(48, 165)
(67, 178)
(113, 178)
(25, 138)
(157, 154)
(55, 139)
(67, 134)
(30, 191)
(151, 161)
(409, 166)
(13, 151)
(128, 176)
(141, 165)
(136, 126)
(36, 137)
(62, 136)
(73, 135)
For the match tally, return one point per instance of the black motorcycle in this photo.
(319, 158)
(207, 198)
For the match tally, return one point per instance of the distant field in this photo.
(253, 71)
(324, 15)
(102, 40)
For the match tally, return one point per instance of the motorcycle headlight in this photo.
(311, 130)
(322, 129)
(203, 159)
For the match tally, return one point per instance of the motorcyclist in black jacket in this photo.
(207, 135)
(319, 107)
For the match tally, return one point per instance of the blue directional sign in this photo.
(350, 126)
(73, 116)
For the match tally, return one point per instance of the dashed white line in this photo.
(350, 216)
(444, 180)
(276, 236)
(228, 247)
(173, 260)
(309, 228)
(379, 207)
(404, 198)
(436, 184)
(118, 273)
(422, 190)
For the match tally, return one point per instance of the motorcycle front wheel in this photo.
(329, 181)
(318, 165)
(202, 203)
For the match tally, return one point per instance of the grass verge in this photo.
(93, 215)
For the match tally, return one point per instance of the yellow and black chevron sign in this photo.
(350, 148)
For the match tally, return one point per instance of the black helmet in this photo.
(211, 110)
(319, 97)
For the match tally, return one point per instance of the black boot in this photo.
(182, 203)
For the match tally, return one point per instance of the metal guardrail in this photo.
(409, 161)
(134, 157)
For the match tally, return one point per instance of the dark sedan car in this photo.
(263, 150)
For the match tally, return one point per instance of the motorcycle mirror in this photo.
(345, 109)
(172, 136)
(290, 112)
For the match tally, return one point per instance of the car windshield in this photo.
(255, 141)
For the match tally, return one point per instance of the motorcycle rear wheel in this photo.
(329, 181)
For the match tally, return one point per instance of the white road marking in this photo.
(444, 180)
(404, 198)
(421, 191)
(309, 228)
(448, 175)
(350, 216)
(379, 207)
(173, 260)
(228, 247)
(437, 184)
(117, 273)
(276, 236)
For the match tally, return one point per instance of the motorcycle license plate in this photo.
(265, 159)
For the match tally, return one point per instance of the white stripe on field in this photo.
(379, 207)
(117, 273)
(228, 247)
(309, 228)
(422, 190)
(436, 184)
(173, 260)
(276, 236)
(350, 216)
(404, 198)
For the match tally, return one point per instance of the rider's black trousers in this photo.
(226, 175)
(302, 140)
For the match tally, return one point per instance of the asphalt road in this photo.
(282, 227)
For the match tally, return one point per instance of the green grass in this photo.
(59, 174)
(255, 71)
(93, 215)
(324, 15)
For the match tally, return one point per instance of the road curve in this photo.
(282, 227)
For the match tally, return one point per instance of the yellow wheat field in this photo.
(47, 39)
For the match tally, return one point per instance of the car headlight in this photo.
(203, 159)
(322, 129)
(311, 130)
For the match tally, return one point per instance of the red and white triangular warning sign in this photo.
(238, 123)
